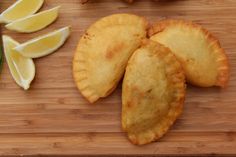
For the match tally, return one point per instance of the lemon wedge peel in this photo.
(45, 44)
(14, 59)
(20, 9)
(34, 22)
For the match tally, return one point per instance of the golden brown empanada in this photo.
(204, 61)
(152, 94)
(103, 52)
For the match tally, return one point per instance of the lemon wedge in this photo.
(34, 22)
(44, 45)
(22, 69)
(20, 9)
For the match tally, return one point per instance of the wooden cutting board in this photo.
(52, 118)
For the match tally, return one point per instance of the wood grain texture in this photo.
(53, 118)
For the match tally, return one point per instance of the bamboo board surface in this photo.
(52, 118)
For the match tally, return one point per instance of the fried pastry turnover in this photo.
(153, 93)
(201, 56)
(103, 52)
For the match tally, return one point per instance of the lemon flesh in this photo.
(43, 45)
(20, 9)
(34, 22)
(22, 69)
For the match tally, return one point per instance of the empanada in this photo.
(103, 52)
(204, 61)
(153, 93)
